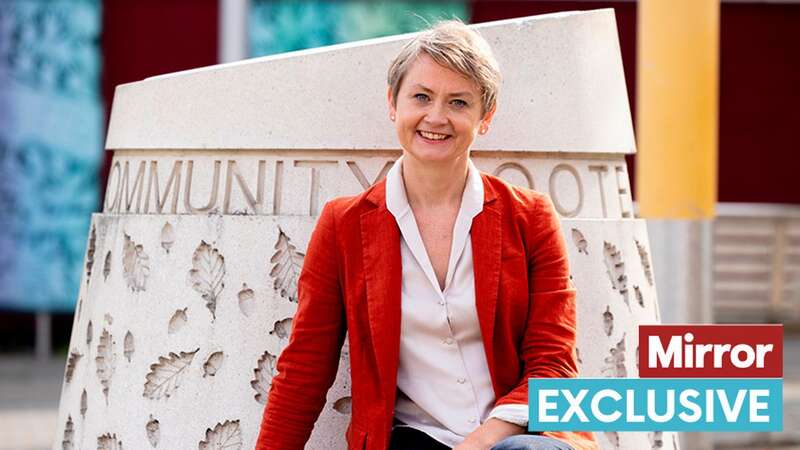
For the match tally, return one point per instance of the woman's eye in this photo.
(421, 97)
(458, 103)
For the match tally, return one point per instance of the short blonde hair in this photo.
(453, 45)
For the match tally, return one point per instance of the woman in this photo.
(453, 285)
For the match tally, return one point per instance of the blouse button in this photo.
(462, 380)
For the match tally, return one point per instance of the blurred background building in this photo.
(61, 59)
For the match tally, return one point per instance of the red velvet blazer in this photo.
(350, 282)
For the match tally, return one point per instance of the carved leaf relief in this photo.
(167, 236)
(263, 376)
(128, 347)
(68, 442)
(107, 266)
(247, 300)
(344, 405)
(108, 441)
(165, 375)
(153, 431)
(638, 294)
(286, 264)
(645, 257)
(72, 363)
(90, 253)
(177, 321)
(224, 436)
(613, 438)
(213, 364)
(580, 241)
(135, 265)
(105, 361)
(207, 273)
(656, 440)
(84, 403)
(615, 361)
(608, 321)
(615, 268)
(282, 328)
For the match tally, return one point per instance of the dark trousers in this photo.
(407, 438)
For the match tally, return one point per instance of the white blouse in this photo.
(444, 386)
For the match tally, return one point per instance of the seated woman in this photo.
(453, 285)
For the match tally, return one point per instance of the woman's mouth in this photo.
(433, 136)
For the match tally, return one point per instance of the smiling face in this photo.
(437, 113)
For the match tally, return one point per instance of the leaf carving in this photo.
(167, 236)
(656, 440)
(127, 346)
(165, 375)
(263, 376)
(72, 362)
(90, 253)
(224, 436)
(613, 438)
(84, 403)
(282, 328)
(580, 241)
(638, 294)
(207, 273)
(645, 257)
(105, 361)
(177, 321)
(69, 435)
(608, 321)
(108, 441)
(107, 266)
(615, 268)
(615, 361)
(89, 333)
(247, 300)
(286, 264)
(344, 405)
(135, 265)
(153, 431)
(213, 364)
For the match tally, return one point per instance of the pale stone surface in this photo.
(564, 90)
(218, 177)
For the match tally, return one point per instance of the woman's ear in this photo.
(390, 100)
(487, 120)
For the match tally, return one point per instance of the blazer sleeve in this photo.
(307, 366)
(548, 345)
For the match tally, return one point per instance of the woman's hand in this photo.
(490, 433)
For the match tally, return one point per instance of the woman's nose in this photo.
(437, 114)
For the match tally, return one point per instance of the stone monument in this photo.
(219, 173)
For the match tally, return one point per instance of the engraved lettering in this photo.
(315, 166)
(255, 203)
(277, 192)
(553, 191)
(187, 194)
(362, 180)
(601, 171)
(622, 190)
(173, 183)
(136, 190)
(114, 175)
(516, 167)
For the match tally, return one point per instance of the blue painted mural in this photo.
(50, 148)
(278, 26)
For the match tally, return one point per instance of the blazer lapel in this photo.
(380, 240)
(486, 238)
